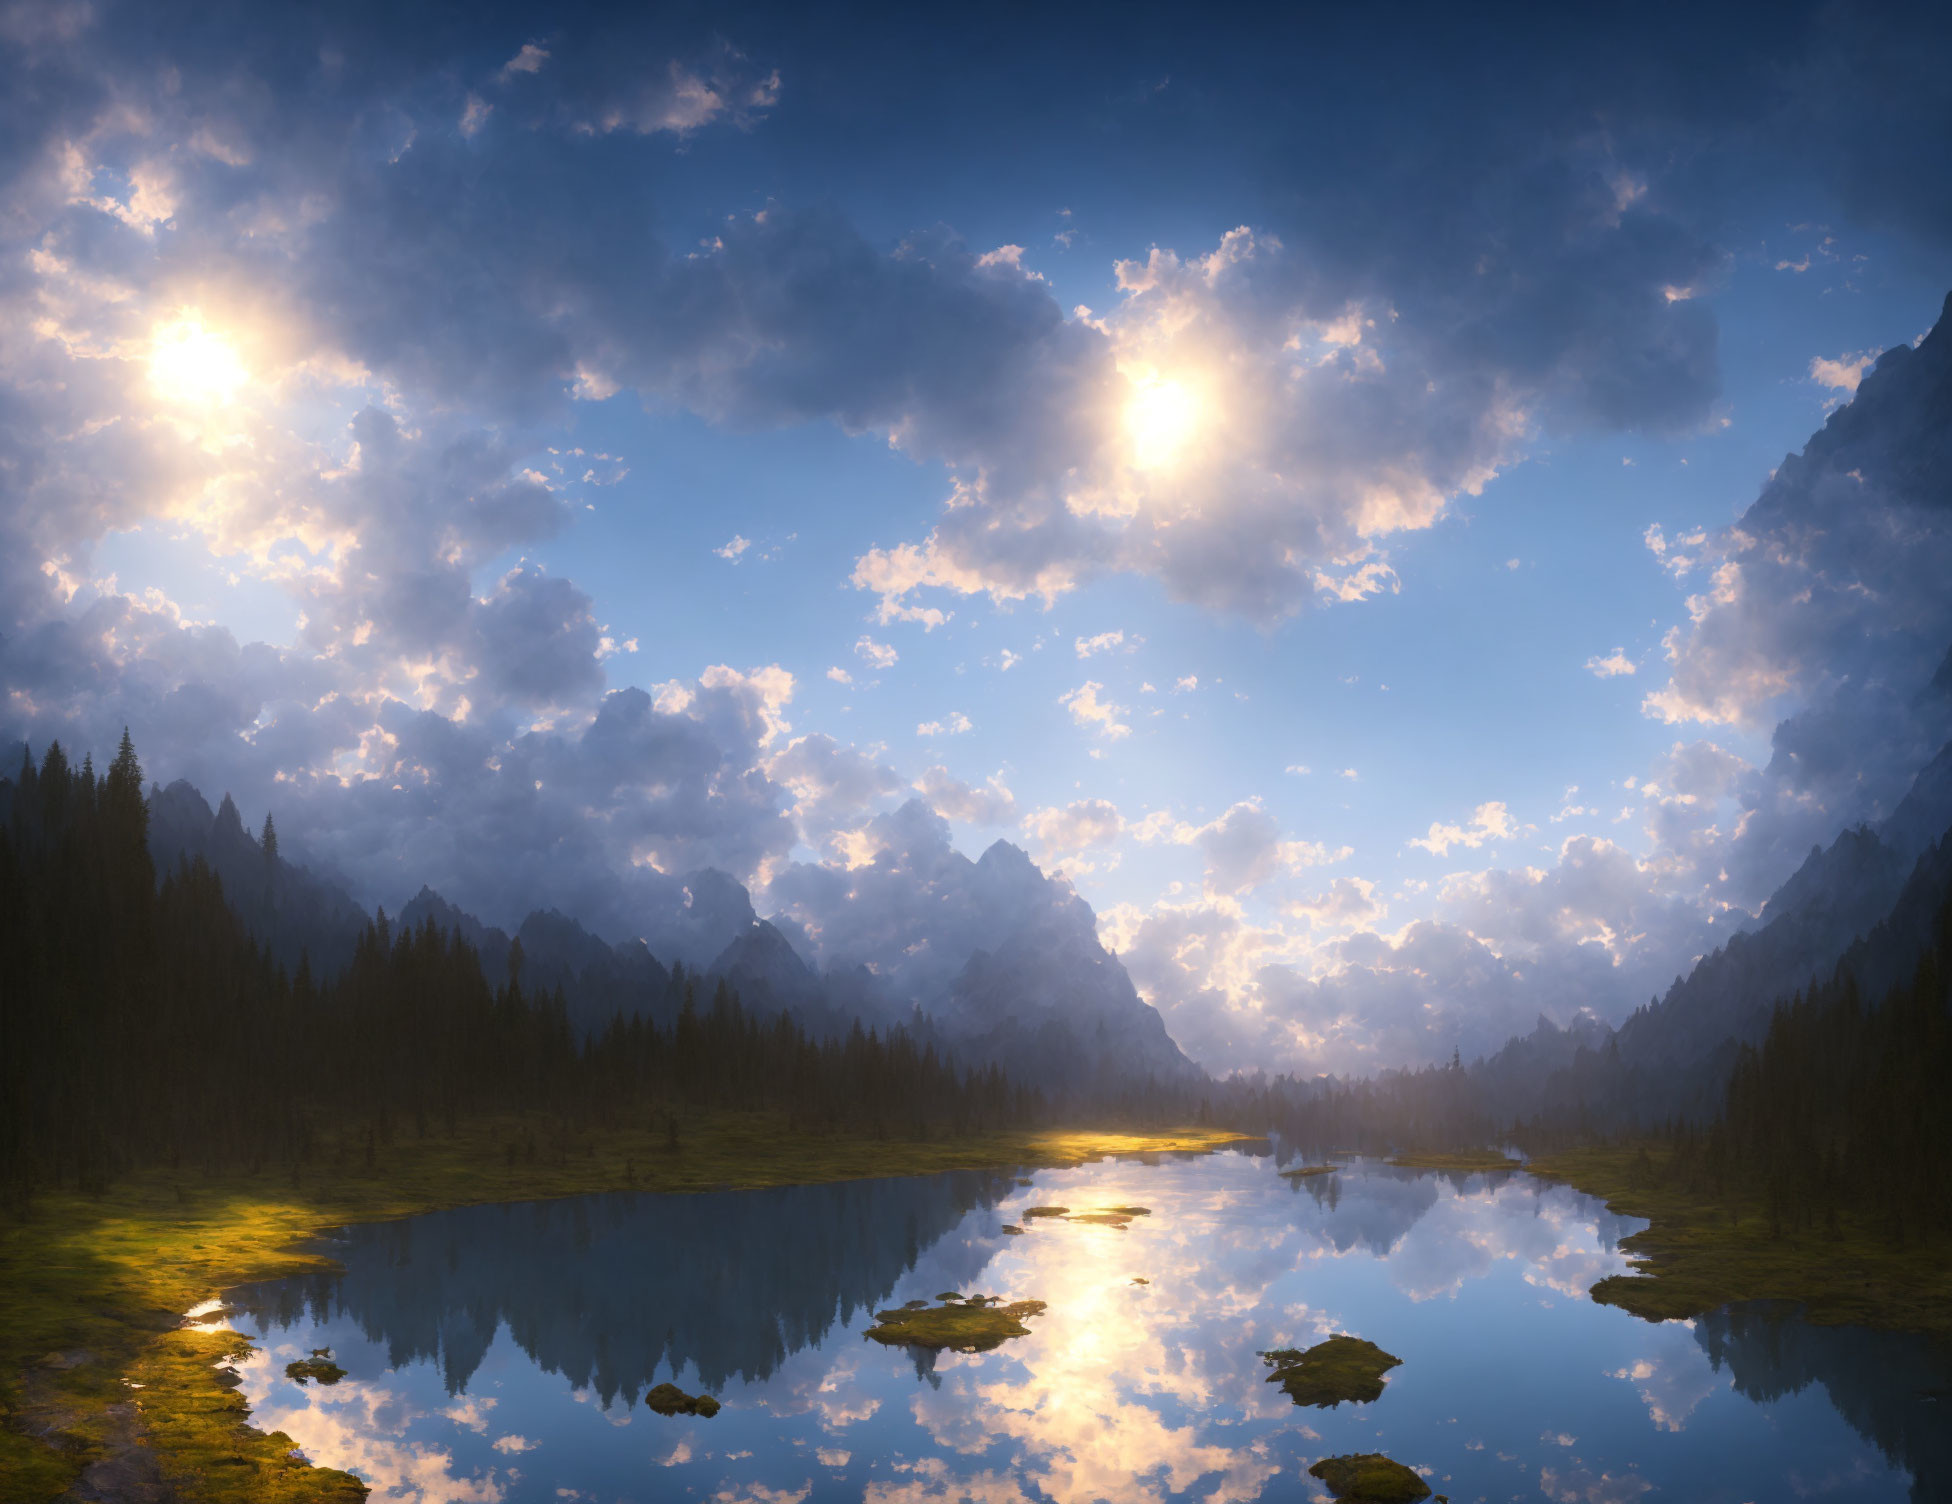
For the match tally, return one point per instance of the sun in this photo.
(191, 366)
(1161, 419)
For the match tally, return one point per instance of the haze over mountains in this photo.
(1014, 974)
(1005, 963)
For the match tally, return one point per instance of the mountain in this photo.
(1050, 1004)
(1039, 995)
(288, 909)
(1864, 906)
(599, 981)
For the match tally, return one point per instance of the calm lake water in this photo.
(501, 1353)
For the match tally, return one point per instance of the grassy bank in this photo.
(1468, 1161)
(1703, 1252)
(96, 1374)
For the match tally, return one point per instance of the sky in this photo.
(1305, 481)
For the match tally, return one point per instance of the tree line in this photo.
(1843, 1108)
(141, 1025)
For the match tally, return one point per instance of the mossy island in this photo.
(1459, 1159)
(319, 1368)
(1341, 1369)
(669, 1399)
(975, 1325)
(1370, 1478)
(1103, 1216)
(1303, 1172)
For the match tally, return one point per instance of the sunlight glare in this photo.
(190, 365)
(1161, 419)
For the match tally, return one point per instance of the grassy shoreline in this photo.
(92, 1288)
(1701, 1252)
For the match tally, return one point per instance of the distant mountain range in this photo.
(1045, 1000)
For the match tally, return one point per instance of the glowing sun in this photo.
(189, 364)
(1160, 419)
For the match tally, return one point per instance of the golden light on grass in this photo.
(194, 366)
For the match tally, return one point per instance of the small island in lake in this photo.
(975, 1325)
(669, 1399)
(1343, 1368)
(1370, 1478)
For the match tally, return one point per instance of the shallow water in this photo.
(498, 1353)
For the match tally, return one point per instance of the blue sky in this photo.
(1213, 456)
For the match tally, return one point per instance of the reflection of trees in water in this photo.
(1894, 1387)
(1373, 1209)
(602, 1289)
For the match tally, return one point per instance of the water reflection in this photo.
(607, 1290)
(498, 1353)
(1892, 1386)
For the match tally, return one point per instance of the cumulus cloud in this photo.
(990, 803)
(1242, 848)
(297, 293)
(877, 655)
(1844, 373)
(1489, 822)
(1104, 642)
(1064, 834)
(1612, 666)
(1099, 715)
(955, 724)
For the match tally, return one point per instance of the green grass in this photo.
(1370, 1478)
(92, 1288)
(1458, 1159)
(1701, 1252)
(1341, 1370)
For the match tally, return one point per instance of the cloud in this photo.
(990, 804)
(1489, 822)
(877, 655)
(732, 550)
(1844, 373)
(1243, 847)
(840, 675)
(829, 782)
(1612, 666)
(955, 725)
(1346, 902)
(1098, 715)
(1067, 832)
(1104, 642)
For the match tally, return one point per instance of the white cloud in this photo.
(840, 675)
(1064, 834)
(991, 803)
(1489, 822)
(877, 655)
(1243, 847)
(1612, 665)
(1844, 373)
(1098, 715)
(956, 724)
(1104, 642)
(733, 549)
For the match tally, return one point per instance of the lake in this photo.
(501, 1353)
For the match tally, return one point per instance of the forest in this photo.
(140, 1025)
